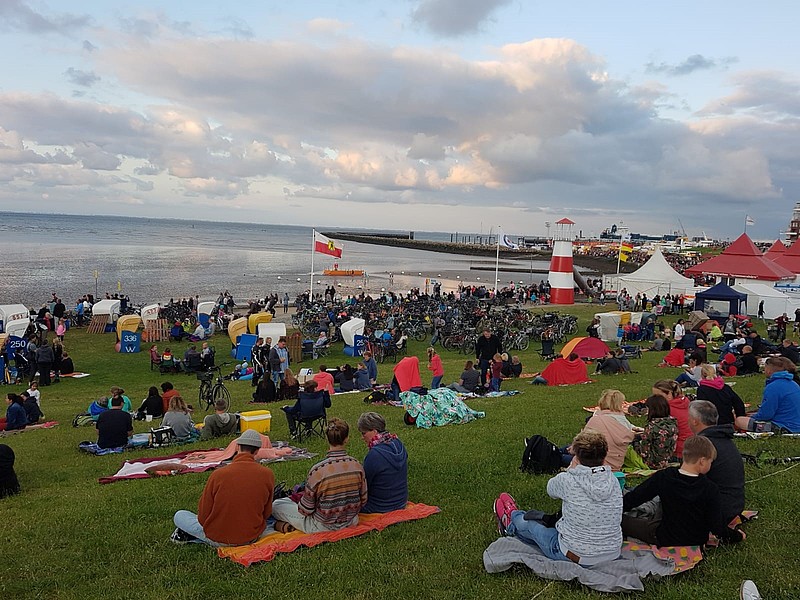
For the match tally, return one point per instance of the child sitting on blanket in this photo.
(497, 373)
(589, 531)
(690, 502)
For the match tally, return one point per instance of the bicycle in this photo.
(211, 390)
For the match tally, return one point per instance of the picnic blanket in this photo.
(438, 407)
(93, 448)
(637, 562)
(47, 425)
(196, 462)
(500, 394)
(270, 545)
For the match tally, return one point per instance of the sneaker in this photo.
(179, 536)
(749, 591)
(503, 507)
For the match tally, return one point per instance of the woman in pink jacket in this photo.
(611, 421)
(435, 366)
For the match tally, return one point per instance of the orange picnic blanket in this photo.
(267, 547)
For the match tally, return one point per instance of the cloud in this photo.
(16, 14)
(455, 17)
(321, 26)
(82, 78)
(695, 62)
(539, 126)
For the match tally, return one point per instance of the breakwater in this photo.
(595, 264)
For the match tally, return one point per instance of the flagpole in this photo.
(313, 244)
(497, 261)
(619, 254)
(745, 223)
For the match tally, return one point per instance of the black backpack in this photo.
(540, 456)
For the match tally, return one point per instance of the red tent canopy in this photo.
(775, 250)
(742, 259)
(790, 259)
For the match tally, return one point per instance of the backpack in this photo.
(82, 420)
(161, 436)
(540, 456)
(376, 396)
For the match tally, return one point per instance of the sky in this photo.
(438, 115)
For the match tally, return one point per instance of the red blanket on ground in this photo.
(269, 546)
(564, 372)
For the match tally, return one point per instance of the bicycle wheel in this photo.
(523, 341)
(203, 396)
(220, 392)
(420, 334)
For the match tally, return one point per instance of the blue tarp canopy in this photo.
(737, 301)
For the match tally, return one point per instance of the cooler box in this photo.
(257, 420)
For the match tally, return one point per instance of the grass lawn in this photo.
(66, 536)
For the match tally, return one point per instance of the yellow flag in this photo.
(119, 286)
(624, 252)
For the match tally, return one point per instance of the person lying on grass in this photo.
(236, 502)
(335, 490)
(589, 531)
(690, 502)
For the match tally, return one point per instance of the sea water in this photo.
(153, 260)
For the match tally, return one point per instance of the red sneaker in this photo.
(504, 505)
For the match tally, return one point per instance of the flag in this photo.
(624, 251)
(507, 243)
(749, 220)
(325, 245)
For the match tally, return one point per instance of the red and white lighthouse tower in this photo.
(562, 282)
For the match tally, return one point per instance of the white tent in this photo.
(775, 302)
(610, 322)
(655, 277)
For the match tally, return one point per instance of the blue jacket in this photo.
(361, 377)
(781, 402)
(372, 369)
(386, 469)
(16, 417)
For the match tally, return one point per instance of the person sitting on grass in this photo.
(385, 466)
(126, 402)
(67, 366)
(656, 444)
(678, 408)
(780, 404)
(690, 502)
(236, 501)
(15, 418)
(220, 423)
(290, 387)
(9, 484)
(608, 365)
(714, 389)
(372, 367)
(179, 419)
(692, 374)
(344, 377)
(588, 533)
(361, 378)
(324, 380)
(114, 426)
(727, 470)
(335, 490)
(748, 362)
(611, 421)
(32, 410)
(153, 405)
(168, 392)
(468, 382)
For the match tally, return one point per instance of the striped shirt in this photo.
(336, 489)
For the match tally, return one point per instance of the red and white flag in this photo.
(325, 245)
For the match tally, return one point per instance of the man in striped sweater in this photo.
(335, 490)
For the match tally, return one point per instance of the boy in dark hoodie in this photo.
(690, 502)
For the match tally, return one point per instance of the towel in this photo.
(269, 546)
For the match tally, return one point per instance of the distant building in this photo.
(794, 225)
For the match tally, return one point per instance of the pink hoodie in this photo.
(717, 383)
